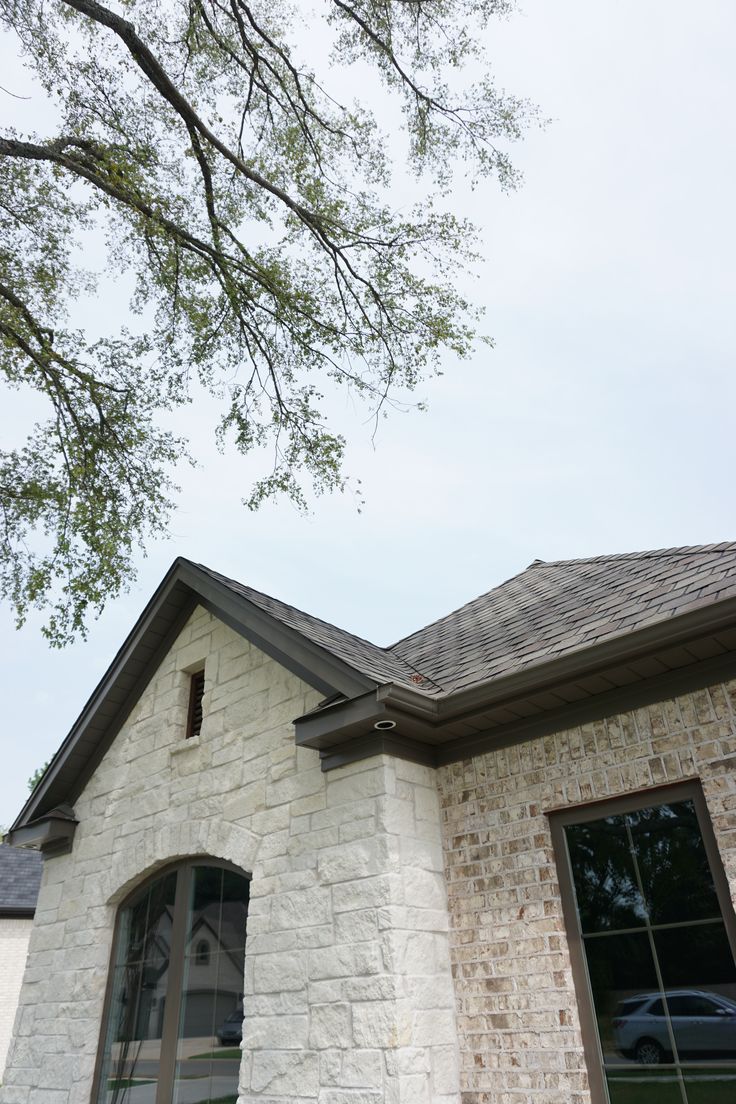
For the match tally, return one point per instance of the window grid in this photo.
(175, 960)
(577, 939)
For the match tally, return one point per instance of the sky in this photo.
(601, 421)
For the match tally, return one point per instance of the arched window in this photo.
(163, 1020)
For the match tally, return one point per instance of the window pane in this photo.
(603, 875)
(235, 894)
(205, 907)
(696, 961)
(710, 1086)
(673, 865)
(133, 1047)
(210, 1030)
(696, 956)
(644, 1086)
(146, 923)
(675, 1044)
(625, 989)
(211, 1015)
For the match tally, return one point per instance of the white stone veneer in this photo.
(348, 992)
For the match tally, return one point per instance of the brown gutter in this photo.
(52, 834)
(623, 648)
(431, 714)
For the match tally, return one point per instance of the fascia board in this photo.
(185, 586)
(132, 643)
(346, 720)
(303, 657)
(433, 713)
(627, 647)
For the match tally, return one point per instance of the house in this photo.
(20, 878)
(493, 863)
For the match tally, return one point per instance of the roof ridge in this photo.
(646, 554)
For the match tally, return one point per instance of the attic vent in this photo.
(196, 693)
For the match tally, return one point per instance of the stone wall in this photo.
(519, 1031)
(348, 992)
(14, 936)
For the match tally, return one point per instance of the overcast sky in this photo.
(603, 419)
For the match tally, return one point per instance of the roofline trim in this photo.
(621, 699)
(304, 657)
(321, 730)
(34, 802)
(313, 663)
(625, 647)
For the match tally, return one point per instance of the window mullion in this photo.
(655, 959)
(170, 1033)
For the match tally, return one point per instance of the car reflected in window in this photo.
(230, 1031)
(703, 1025)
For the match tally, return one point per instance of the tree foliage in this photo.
(37, 776)
(253, 208)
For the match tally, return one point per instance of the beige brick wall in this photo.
(14, 936)
(519, 1031)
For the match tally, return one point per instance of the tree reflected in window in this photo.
(658, 958)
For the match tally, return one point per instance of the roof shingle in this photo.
(547, 611)
(20, 878)
(551, 609)
(370, 659)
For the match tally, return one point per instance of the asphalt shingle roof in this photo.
(20, 878)
(552, 609)
(547, 611)
(360, 654)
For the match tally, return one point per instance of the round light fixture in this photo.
(384, 726)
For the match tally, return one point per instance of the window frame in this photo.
(170, 1029)
(559, 819)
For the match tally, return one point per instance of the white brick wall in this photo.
(14, 936)
(348, 990)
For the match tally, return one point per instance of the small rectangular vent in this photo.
(196, 693)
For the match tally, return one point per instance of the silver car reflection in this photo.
(702, 1023)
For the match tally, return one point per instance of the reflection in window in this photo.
(659, 961)
(174, 1023)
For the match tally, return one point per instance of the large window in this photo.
(651, 933)
(173, 1014)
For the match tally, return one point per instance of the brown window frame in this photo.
(170, 1031)
(196, 696)
(559, 819)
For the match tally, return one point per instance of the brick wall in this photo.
(348, 992)
(14, 936)
(519, 1032)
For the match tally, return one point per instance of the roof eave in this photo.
(624, 648)
(350, 724)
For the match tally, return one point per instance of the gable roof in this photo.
(20, 881)
(556, 634)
